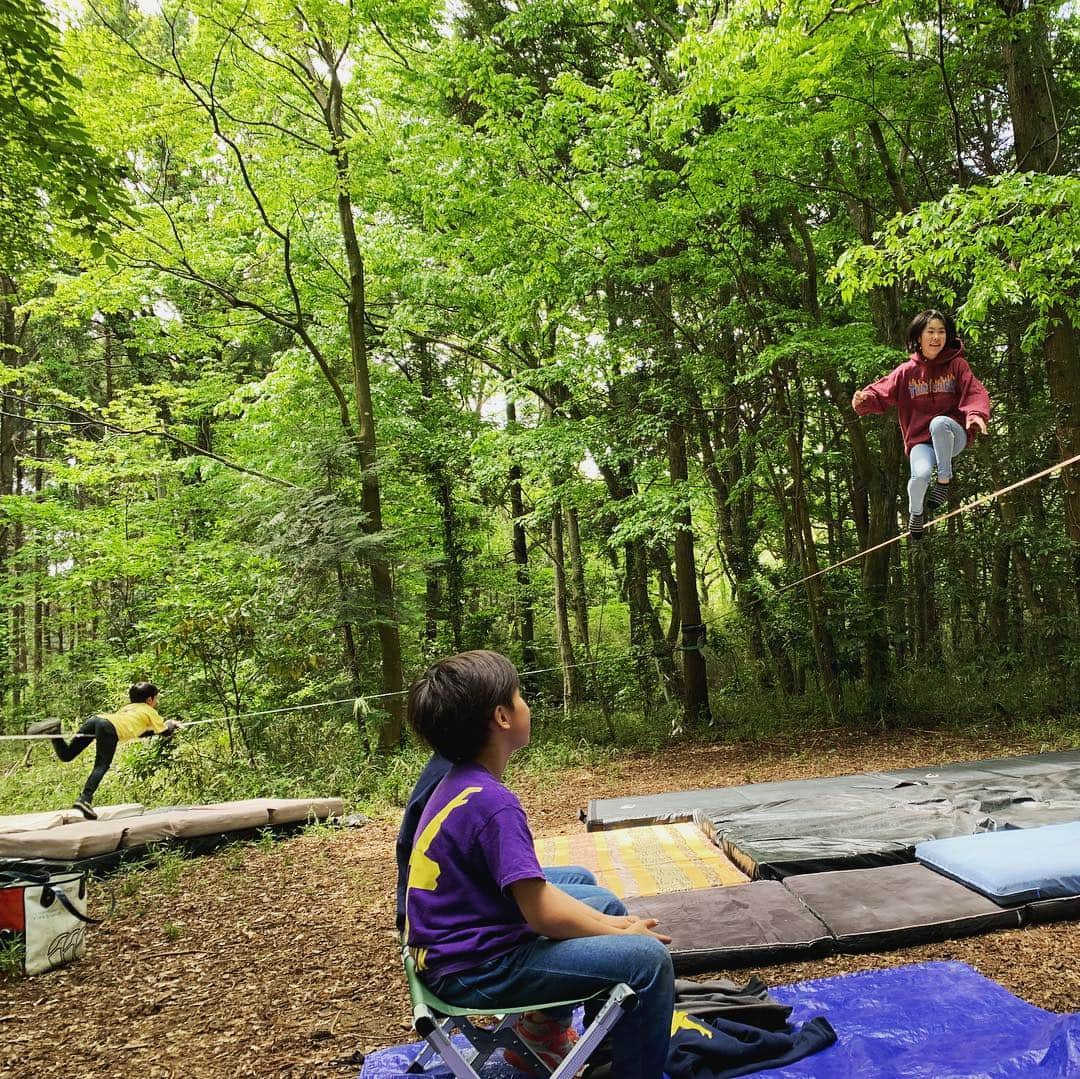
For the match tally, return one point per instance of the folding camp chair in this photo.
(434, 1020)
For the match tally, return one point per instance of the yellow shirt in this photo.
(135, 720)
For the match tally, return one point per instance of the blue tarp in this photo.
(1012, 866)
(930, 1021)
(394, 1063)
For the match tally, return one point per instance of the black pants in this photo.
(98, 730)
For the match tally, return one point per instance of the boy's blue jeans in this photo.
(545, 969)
(948, 439)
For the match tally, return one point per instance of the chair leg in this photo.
(619, 1001)
(439, 1039)
(502, 1036)
(429, 1051)
(484, 1042)
(436, 1032)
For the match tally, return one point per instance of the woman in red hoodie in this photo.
(941, 406)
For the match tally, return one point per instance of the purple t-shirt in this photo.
(472, 843)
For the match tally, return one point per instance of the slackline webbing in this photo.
(931, 523)
(360, 702)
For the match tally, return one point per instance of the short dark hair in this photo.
(141, 692)
(452, 703)
(922, 320)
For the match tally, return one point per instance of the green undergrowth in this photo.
(296, 757)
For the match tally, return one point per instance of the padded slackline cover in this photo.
(896, 906)
(1012, 866)
(722, 928)
(112, 832)
(35, 822)
(931, 1021)
(1056, 774)
(773, 830)
(833, 829)
(644, 861)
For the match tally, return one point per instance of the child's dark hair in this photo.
(922, 320)
(452, 703)
(141, 692)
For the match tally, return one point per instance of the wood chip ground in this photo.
(281, 961)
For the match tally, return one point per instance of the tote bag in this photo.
(46, 914)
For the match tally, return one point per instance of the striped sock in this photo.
(938, 496)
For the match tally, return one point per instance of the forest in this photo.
(336, 336)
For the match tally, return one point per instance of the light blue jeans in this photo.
(947, 439)
(545, 969)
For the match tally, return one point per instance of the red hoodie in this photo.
(921, 389)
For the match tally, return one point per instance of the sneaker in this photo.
(917, 525)
(549, 1039)
(938, 496)
(44, 726)
(86, 809)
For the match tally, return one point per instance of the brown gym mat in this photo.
(897, 905)
(718, 928)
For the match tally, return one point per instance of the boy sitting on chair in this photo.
(484, 926)
(575, 879)
(139, 719)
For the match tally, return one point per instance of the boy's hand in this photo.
(860, 398)
(645, 927)
(171, 727)
(977, 423)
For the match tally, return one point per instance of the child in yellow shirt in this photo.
(139, 719)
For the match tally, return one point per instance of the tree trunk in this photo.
(432, 605)
(571, 680)
(579, 604)
(11, 422)
(647, 640)
(579, 600)
(351, 657)
(998, 600)
(525, 599)
(737, 537)
(382, 581)
(442, 487)
(873, 502)
(1029, 77)
(803, 535)
(18, 631)
(452, 558)
(695, 676)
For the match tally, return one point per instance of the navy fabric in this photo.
(720, 1048)
(1017, 865)
(931, 1021)
(429, 779)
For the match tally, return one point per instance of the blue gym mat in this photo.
(1017, 865)
(930, 1021)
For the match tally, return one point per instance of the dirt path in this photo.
(280, 960)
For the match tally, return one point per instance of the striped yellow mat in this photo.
(648, 860)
